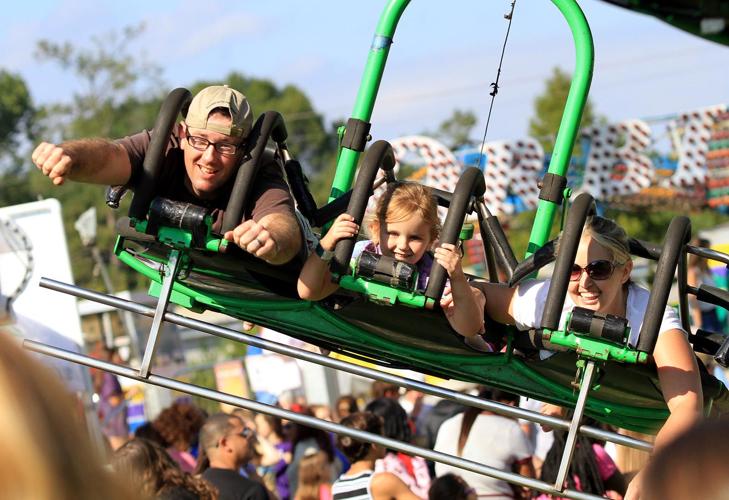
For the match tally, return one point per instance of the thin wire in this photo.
(495, 85)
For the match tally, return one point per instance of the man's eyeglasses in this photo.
(201, 144)
(597, 270)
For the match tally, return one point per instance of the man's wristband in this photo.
(324, 255)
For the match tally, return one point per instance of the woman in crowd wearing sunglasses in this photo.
(600, 281)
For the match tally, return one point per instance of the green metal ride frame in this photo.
(576, 99)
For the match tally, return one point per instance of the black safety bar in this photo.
(379, 156)
(176, 101)
(471, 184)
(541, 257)
(677, 236)
(582, 207)
(270, 125)
(493, 233)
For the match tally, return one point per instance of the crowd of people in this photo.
(185, 453)
(251, 456)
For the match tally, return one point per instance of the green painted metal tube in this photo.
(569, 126)
(365, 102)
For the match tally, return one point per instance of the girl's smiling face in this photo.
(406, 240)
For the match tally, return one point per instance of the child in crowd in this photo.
(451, 486)
(314, 476)
(361, 481)
(405, 227)
(591, 470)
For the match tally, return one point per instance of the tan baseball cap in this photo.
(221, 96)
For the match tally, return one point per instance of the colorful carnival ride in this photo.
(378, 315)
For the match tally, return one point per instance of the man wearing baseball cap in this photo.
(209, 144)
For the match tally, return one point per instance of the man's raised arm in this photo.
(96, 161)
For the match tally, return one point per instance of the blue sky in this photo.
(444, 56)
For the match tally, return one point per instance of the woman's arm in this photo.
(680, 382)
(315, 280)
(499, 301)
(678, 374)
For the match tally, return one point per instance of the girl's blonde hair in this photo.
(402, 200)
(314, 471)
(610, 235)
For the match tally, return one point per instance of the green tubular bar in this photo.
(365, 102)
(569, 126)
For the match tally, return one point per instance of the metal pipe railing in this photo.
(306, 420)
(226, 333)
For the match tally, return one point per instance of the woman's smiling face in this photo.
(602, 295)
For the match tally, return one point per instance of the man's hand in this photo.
(53, 161)
(254, 239)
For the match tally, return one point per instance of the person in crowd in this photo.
(179, 425)
(148, 432)
(304, 440)
(381, 389)
(600, 281)
(148, 468)
(225, 447)
(412, 470)
(703, 315)
(489, 439)
(405, 226)
(47, 451)
(540, 439)
(452, 487)
(692, 466)
(315, 477)
(112, 406)
(270, 431)
(591, 470)
(322, 411)
(202, 158)
(361, 482)
(345, 406)
(442, 411)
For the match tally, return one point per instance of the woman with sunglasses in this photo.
(600, 281)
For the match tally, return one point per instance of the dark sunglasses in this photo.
(597, 270)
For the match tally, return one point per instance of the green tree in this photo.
(455, 131)
(548, 108)
(17, 119)
(119, 93)
(16, 110)
(119, 89)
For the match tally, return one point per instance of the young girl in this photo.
(314, 477)
(405, 226)
(360, 481)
